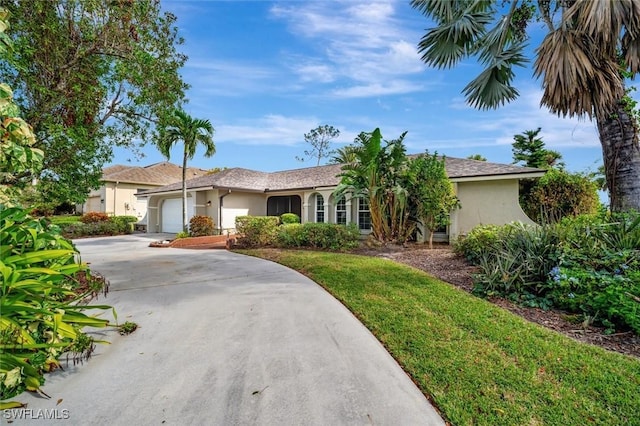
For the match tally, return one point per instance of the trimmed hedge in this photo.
(116, 225)
(256, 231)
(260, 231)
(287, 218)
(327, 236)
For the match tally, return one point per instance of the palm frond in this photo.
(444, 11)
(493, 88)
(631, 51)
(602, 20)
(576, 79)
(445, 45)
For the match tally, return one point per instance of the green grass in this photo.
(480, 364)
(65, 219)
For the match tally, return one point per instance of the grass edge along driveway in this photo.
(478, 363)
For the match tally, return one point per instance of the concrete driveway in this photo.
(224, 339)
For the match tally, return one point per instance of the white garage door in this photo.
(172, 214)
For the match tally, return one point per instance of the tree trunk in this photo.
(184, 193)
(621, 155)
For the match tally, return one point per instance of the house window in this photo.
(364, 215)
(319, 208)
(341, 211)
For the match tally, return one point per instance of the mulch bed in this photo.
(442, 263)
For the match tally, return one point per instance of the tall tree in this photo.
(432, 192)
(18, 158)
(379, 175)
(530, 150)
(578, 78)
(90, 75)
(320, 140)
(477, 157)
(193, 132)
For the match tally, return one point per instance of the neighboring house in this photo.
(120, 183)
(488, 193)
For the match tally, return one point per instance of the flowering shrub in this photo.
(94, 217)
(200, 226)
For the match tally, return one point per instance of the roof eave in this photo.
(505, 176)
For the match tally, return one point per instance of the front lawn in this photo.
(480, 364)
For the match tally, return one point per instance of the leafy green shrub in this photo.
(200, 226)
(560, 194)
(124, 223)
(42, 285)
(71, 230)
(291, 235)
(319, 235)
(612, 298)
(519, 260)
(182, 234)
(588, 265)
(286, 218)
(256, 231)
(481, 240)
(102, 228)
(94, 217)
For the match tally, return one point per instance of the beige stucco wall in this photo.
(241, 204)
(486, 202)
(117, 198)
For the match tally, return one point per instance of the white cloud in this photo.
(268, 130)
(314, 72)
(229, 78)
(524, 114)
(364, 45)
(377, 89)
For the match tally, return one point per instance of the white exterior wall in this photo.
(242, 204)
(486, 202)
(118, 199)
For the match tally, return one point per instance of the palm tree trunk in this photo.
(621, 154)
(184, 192)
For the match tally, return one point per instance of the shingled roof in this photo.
(163, 173)
(327, 176)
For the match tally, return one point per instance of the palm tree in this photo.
(344, 155)
(192, 132)
(579, 62)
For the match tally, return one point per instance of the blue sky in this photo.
(265, 73)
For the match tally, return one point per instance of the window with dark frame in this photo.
(319, 208)
(364, 215)
(341, 211)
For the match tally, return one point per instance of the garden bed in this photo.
(442, 263)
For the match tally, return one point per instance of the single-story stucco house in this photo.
(120, 183)
(488, 194)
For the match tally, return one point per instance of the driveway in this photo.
(225, 339)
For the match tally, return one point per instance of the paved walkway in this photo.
(225, 339)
